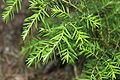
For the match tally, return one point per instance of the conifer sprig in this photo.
(72, 29)
(9, 10)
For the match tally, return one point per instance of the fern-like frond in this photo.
(35, 18)
(30, 21)
(68, 56)
(9, 10)
(92, 21)
(54, 42)
(45, 50)
(89, 49)
(60, 12)
(72, 29)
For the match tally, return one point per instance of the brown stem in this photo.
(75, 71)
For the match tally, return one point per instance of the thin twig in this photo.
(75, 71)
(73, 5)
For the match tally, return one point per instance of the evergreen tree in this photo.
(68, 29)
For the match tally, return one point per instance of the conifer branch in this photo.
(9, 10)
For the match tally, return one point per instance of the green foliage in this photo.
(70, 29)
(9, 10)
